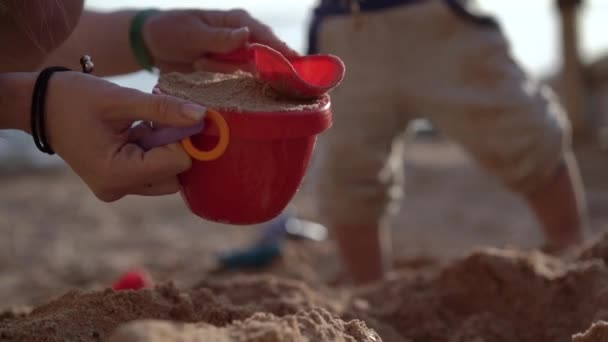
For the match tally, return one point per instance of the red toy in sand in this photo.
(134, 280)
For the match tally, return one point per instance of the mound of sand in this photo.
(313, 325)
(245, 307)
(597, 332)
(490, 295)
(494, 295)
(596, 250)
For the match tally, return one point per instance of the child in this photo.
(440, 60)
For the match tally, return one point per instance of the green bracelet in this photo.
(138, 46)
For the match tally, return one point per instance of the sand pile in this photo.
(312, 325)
(243, 309)
(597, 332)
(597, 250)
(494, 295)
(238, 91)
(490, 295)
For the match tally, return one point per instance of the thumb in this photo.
(222, 39)
(161, 109)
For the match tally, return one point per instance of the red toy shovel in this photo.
(300, 77)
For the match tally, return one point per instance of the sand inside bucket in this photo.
(238, 91)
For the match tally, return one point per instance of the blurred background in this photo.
(532, 26)
(57, 235)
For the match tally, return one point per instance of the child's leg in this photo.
(358, 166)
(559, 206)
(513, 127)
(364, 251)
(358, 177)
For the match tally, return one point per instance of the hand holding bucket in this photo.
(294, 76)
(247, 165)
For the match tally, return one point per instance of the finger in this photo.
(165, 187)
(207, 64)
(143, 128)
(163, 109)
(221, 39)
(166, 135)
(139, 131)
(274, 42)
(139, 167)
(259, 32)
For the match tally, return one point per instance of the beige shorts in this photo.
(417, 61)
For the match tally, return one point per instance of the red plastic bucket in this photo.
(260, 170)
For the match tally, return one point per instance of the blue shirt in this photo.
(342, 7)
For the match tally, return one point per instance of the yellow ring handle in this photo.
(221, 146)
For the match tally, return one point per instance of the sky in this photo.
(530, 25)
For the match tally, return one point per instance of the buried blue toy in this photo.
(268, 246)
(252, 257)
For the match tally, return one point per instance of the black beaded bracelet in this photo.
(37, 120)
(38, 107)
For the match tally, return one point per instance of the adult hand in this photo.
(89, 124)
(180, 40)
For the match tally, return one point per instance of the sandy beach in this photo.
(466, 267)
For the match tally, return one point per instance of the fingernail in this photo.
(194, 111)
(239, 32)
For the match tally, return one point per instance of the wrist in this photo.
(15, 100)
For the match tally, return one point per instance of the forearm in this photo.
(104, 37)
(15, 96)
